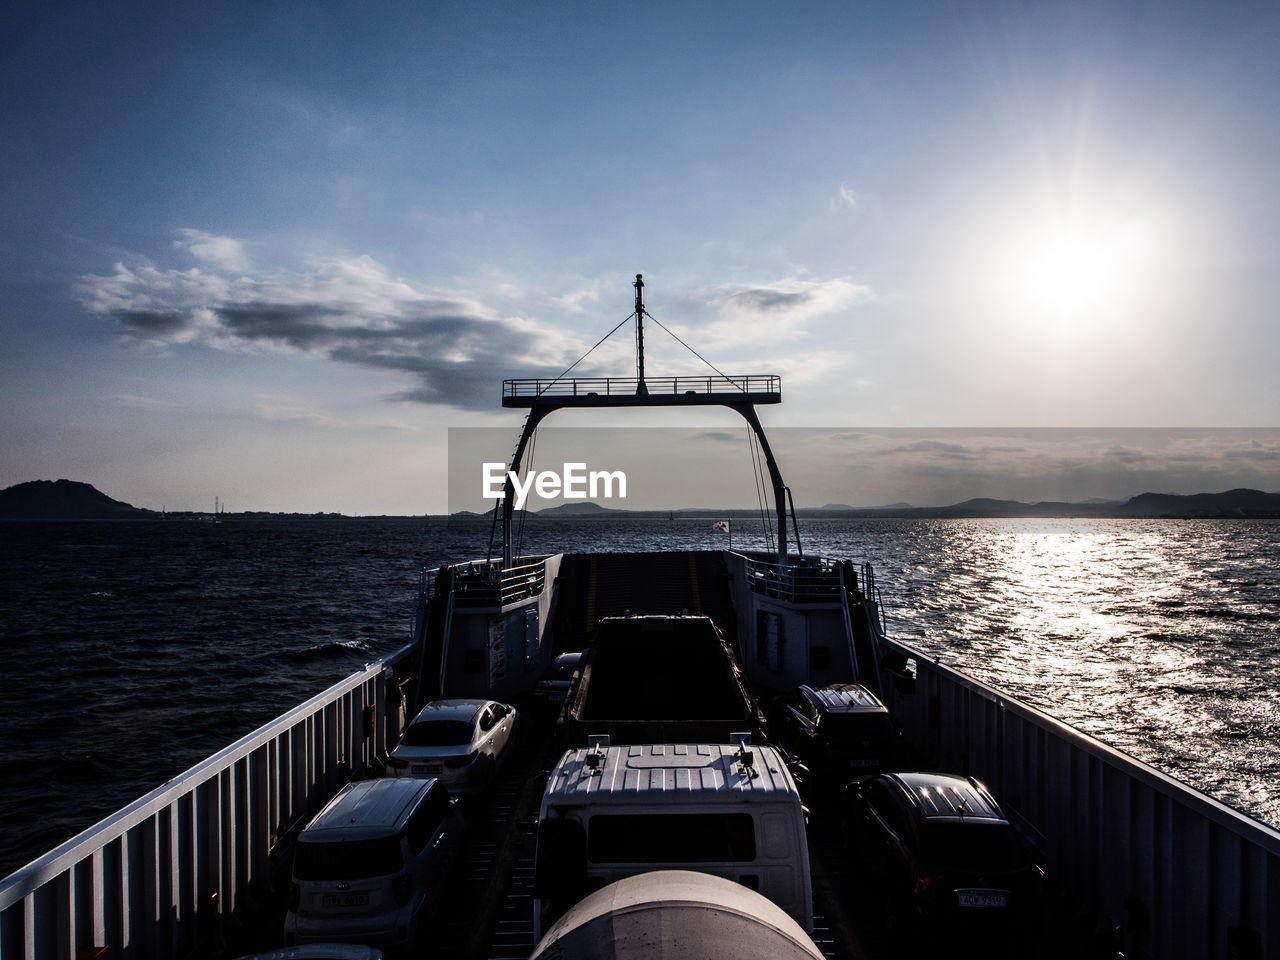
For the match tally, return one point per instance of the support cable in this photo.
(588, 353)
(722, 374)
(524, 511)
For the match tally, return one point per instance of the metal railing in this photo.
(1170, 871)
(481, 583)
(872, 592)
(628, 386)
(160, 877)
(814, 581)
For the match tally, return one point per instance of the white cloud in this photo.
(301, 415)
(453, 349)
(758, 314)
(577, 301)
(845, 197)
(225, 253)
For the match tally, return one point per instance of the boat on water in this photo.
(680, 652)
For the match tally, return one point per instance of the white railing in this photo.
(486, 583)
(1172, 872)
(810, 581)
(162, 876)
(754, 384)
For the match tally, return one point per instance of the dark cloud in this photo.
(949, 451)
(1128, 455)
(153, 324)
(761, 300)
(298, 325)
(459, 359)
(1256, 453)
(473, 384)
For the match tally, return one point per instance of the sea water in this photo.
(131, 650)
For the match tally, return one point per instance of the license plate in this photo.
(427, 769)
(345, 900)
(982, 899)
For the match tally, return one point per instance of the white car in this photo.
(460, 741)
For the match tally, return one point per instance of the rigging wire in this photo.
(524, 512)
(588, 353)
(493, 527)
(722, 374)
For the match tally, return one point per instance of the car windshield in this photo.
(855, 727)
(438, 733)
(977, 846)
(347, 860)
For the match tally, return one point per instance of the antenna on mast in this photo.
(639, 285)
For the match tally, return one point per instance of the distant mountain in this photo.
(586, 508)
(63, 500)
(1232, 503)
(844, 507)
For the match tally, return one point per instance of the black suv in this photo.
(839, 730)
(941, 852)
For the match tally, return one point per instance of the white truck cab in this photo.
(730, 810)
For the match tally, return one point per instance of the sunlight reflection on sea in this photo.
(131, 651)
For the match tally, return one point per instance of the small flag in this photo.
(721, 525)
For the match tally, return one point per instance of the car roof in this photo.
(845, 698)
(368, 809)
(464, 710)
(948, 797)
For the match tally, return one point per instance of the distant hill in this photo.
(584, 509)
(72, 500)
(1232, 503)
(63, 500)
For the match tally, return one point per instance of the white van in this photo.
(731, 810)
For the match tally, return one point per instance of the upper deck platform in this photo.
(647, 392)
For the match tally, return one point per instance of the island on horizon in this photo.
(76, 500)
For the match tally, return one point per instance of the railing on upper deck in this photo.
(483, 583)
(162, 876)
(754, 384)
(811, 581)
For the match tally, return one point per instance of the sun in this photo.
(1070, 270)
(1083, 267)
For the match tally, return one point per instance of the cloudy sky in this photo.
(273, 252)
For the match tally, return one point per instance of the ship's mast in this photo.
(639, 285)
(740, 394)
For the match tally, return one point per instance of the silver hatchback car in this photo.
(371, 866)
